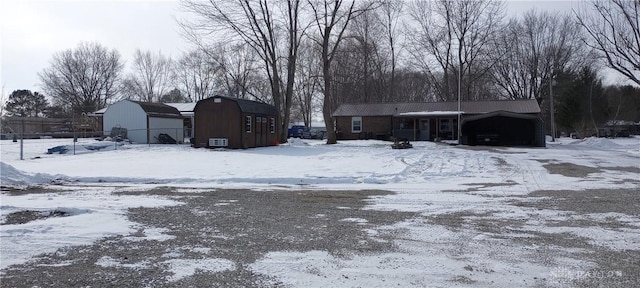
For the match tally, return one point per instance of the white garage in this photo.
(144, 121)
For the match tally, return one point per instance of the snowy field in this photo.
(474, 187)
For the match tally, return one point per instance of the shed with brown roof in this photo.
(499, 122)
(234, 123)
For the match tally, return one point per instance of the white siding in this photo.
(126, 114)
(171, 126)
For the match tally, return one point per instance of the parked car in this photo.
(313, 134)
(296, 131)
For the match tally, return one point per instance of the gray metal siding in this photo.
(127, 114)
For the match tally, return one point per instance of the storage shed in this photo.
(234, 123)
(144, 121)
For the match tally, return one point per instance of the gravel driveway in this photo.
(228, 230)
(237, 225)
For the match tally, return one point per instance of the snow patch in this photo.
(182, 268)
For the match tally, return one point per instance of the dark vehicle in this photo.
(296, 131)
(402, 143)
(487, 139)
(313, 134)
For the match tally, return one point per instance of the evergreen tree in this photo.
(24, 103)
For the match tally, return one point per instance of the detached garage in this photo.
(503, 128)
(144, 121)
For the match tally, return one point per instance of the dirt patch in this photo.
(588, 201)
(12, 191)
(494, 149)
(477, 186)
(570, 170)
(624, 169)
(614, 269)
(456, 220)
(26, 216)
(609, 223)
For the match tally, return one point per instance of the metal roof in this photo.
(157, 109)
(250, 106)
(467, 107)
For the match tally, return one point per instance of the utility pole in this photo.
(553, 121)
(459, 101)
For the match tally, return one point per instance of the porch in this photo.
(433, 128)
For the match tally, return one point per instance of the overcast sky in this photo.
(32, 31)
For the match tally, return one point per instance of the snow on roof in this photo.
(525, 106)
(183, 107)
(430, 113)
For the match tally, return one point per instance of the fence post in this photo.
(22, 141)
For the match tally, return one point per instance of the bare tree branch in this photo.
(614, 30)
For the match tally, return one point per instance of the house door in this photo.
(424, 129)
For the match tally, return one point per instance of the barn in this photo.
(227, 122)
(144, 121)
(499, 122)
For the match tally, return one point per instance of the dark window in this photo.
(272, 125)
(247, 124)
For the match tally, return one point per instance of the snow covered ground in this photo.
(431, 179)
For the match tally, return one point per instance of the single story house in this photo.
(234, 123)
(144, 121)
(499, 122)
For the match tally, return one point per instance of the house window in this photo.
(247, 124)
(272, 125)
(445, 125)
(356, 124)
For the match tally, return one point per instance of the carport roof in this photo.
(526, 106)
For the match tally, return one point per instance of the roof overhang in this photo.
(500, 113)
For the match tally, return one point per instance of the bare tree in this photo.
(195, 74)
(273, 30)
(392, 11)
(150, 77)
(331, 17)
(307, 83)
(614, 30)
(84, 79)
(240, 74)
(531, 50)
(451, 41)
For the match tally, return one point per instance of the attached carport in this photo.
(503, 128)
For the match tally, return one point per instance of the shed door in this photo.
(259, 131)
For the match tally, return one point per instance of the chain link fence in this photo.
(32, 145)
